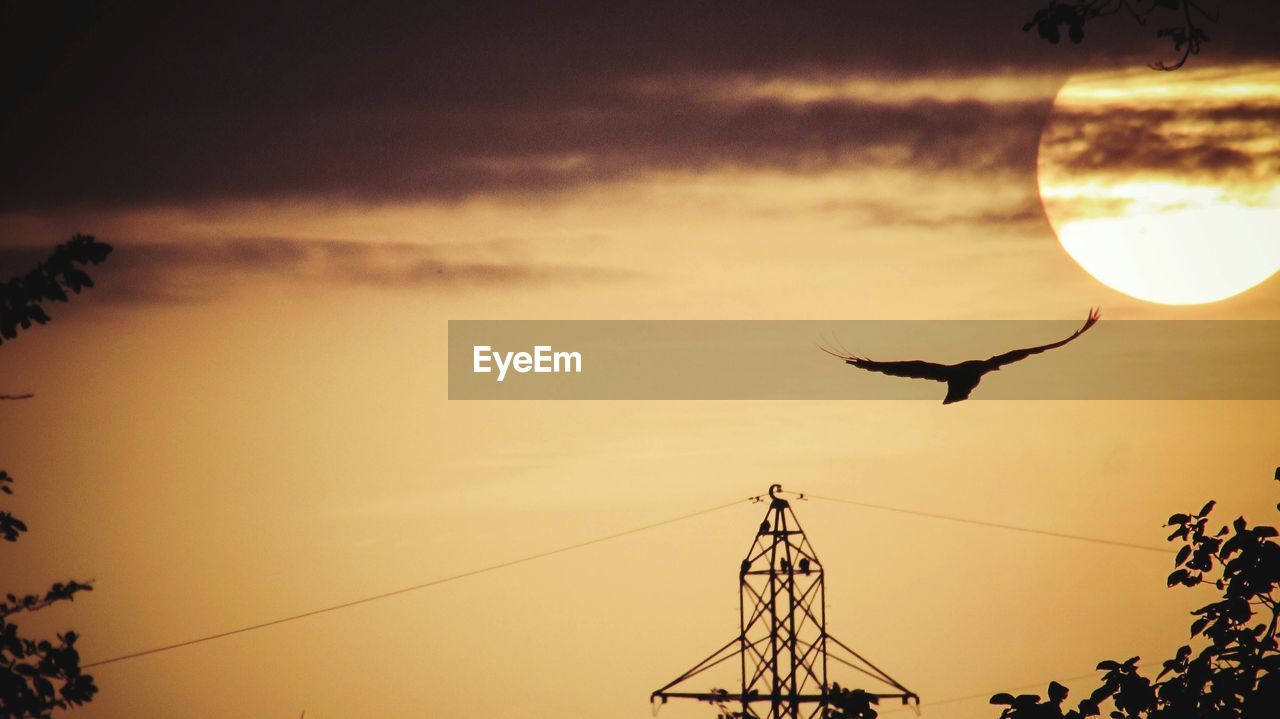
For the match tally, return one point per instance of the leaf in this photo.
(1182, 555)
(1208, 507)
(1026, 700)
(1178, 577)
(1002, 698)
(38, 314)
(1107, 665)
(1057, 692)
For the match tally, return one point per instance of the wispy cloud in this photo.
(192, 271)
(1019, 215)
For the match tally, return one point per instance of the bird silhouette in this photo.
(963, 377)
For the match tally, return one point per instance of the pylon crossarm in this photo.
(905, 697)
(862, 670)
(878, 672)
(855, 667)
(749, 698)
(702, 666)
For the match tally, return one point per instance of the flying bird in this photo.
(963, 377)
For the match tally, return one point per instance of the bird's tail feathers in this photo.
(1095, 313)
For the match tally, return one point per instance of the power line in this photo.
(606, 538)
(414, 588)
(995, 525)
(988, 695)
(1008, 690)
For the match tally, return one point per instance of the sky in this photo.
(248, 417)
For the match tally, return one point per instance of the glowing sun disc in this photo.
(1166, 186)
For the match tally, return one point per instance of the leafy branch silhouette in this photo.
(842, 704)
(22, 298)
(1072, 15)
(38, 676)
(1236, 672)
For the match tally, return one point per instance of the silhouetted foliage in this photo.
(851, 704)
(39, 676)
(22, 298)
(1072, 16)
(722, 707)
(10, 526)
(844, 704)
(1236, 672)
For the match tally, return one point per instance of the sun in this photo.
(1166, 186)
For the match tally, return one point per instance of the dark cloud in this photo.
(194, 271)
(1195, 141)
(144, 104)
(1124, 149)
(445, 154)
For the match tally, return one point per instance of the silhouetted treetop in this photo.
(1234, 673)
(1180, 27)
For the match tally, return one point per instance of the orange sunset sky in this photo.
(248, 418)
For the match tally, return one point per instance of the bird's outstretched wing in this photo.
(916, 369)
(1015, 355)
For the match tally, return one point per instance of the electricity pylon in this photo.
(783, 648)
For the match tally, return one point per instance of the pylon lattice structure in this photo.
(783, 649)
